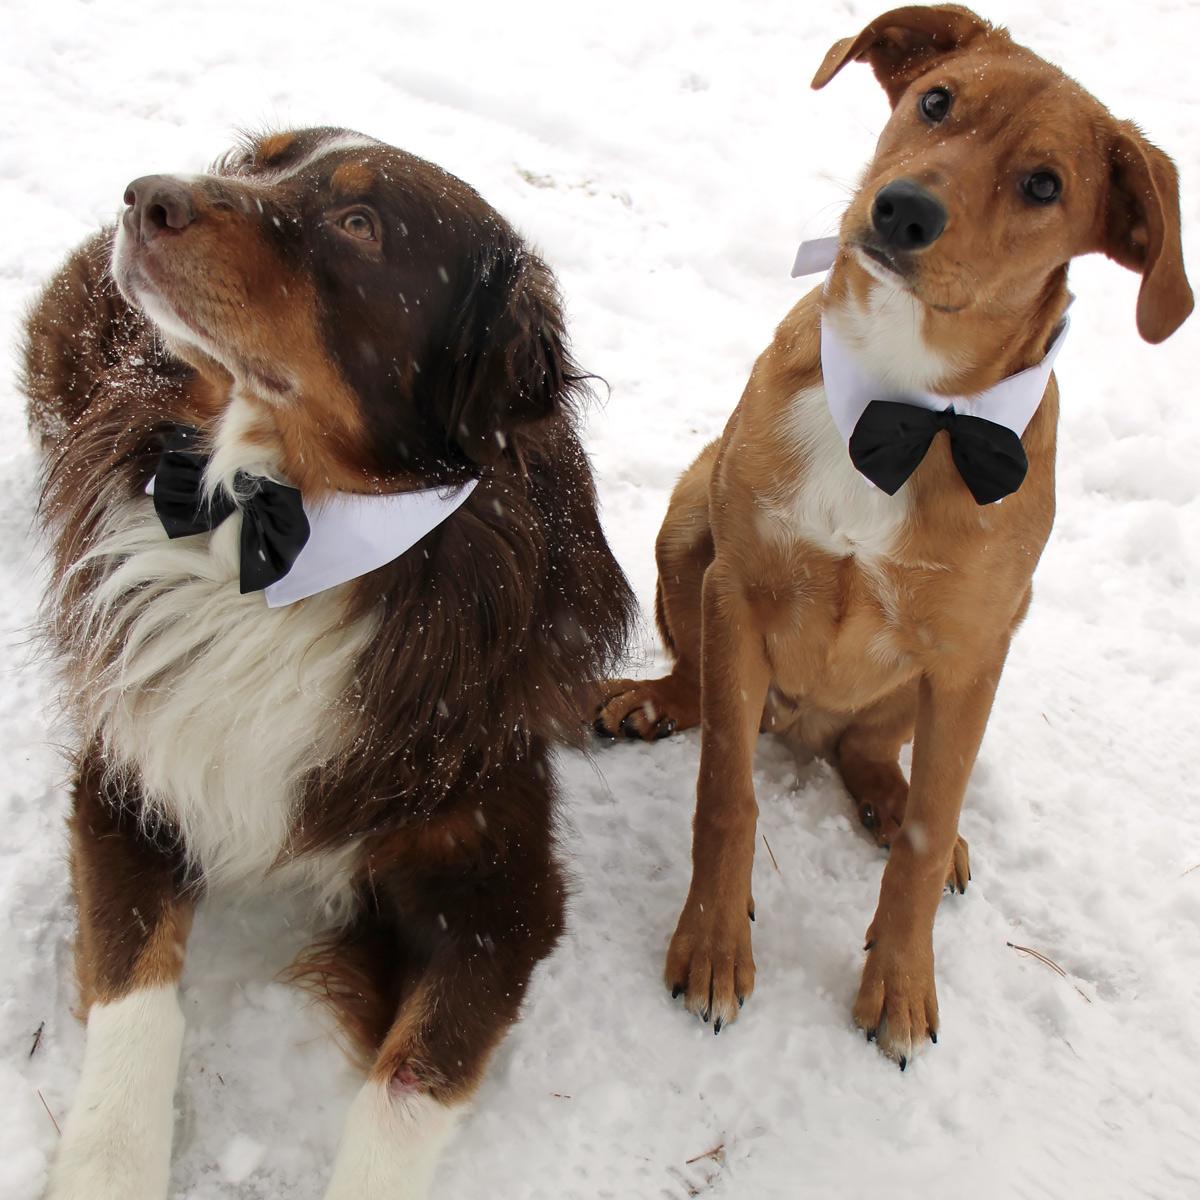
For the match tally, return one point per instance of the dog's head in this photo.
(380, 316)
(996, 170)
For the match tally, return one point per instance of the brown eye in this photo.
(359, 224)
(1042, 187)
(935, 105)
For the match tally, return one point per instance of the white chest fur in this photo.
(829, 504)
(220, 704)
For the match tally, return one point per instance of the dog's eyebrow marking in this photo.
(352, 177)
(334, 144)
(275, 146)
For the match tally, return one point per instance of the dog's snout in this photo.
(158, 203)
(908, 217)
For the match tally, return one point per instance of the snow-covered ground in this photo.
(667, 158)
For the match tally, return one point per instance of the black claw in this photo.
(704, 1015)
(869, 819)
(603, 730)
(903, 1062)
(627, 727)
(741, 1001)
(752, 914)
(933, 1036)
(870, 945)
(871, 1034)
(717, 1024)
(677, 991)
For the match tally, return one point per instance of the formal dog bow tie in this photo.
(289, 549)
(888, 430)
(891, 439)
(274, 525)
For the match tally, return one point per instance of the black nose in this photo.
(908, 217)
(157, 203)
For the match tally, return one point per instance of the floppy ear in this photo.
(1141, 230)
(505, 362)
(901, 44)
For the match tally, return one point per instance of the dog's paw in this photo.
(710, 963)
(879, 820)
(897, 999)
(959, 874)
(645, 710)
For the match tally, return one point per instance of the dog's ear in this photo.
(1141, 230)
(901, 44)
(505, 361)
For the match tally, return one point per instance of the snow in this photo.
(667, 159)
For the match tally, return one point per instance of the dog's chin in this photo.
(197, 348)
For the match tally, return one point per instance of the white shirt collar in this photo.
(849, 388)
(352, 534)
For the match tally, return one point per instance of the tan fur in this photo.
(852, 654)
(352, 177)
(274, 146)
(224, 270)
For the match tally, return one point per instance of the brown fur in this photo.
(420, 362)
(132, 893)
(785, 635)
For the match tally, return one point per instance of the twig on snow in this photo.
(774, 861)
(48, 1112)
(1049, 962)
(717, 1154)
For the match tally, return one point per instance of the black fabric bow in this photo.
(274, 527)
(892, 438)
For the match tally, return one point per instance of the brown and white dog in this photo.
(331, 314)
(796, 596)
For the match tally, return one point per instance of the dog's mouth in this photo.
(887, 268)
(877, 260)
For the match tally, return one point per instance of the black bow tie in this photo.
(892, 438)
(274, 527)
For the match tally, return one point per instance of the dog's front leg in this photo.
(134, 918)
(467, 935)
(710, 961)
(897, 1000)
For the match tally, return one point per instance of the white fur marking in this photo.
(832, 505)
(391, 1146)
(220, 704)
(116, 1144)
(887, 336)
(333, 145)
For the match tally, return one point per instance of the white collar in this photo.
(849, 388)
(351, 534)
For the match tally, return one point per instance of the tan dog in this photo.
(793, 594)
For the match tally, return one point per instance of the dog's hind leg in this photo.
(654, 708)
(134, 917)
(472, 905)
(867, 758)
